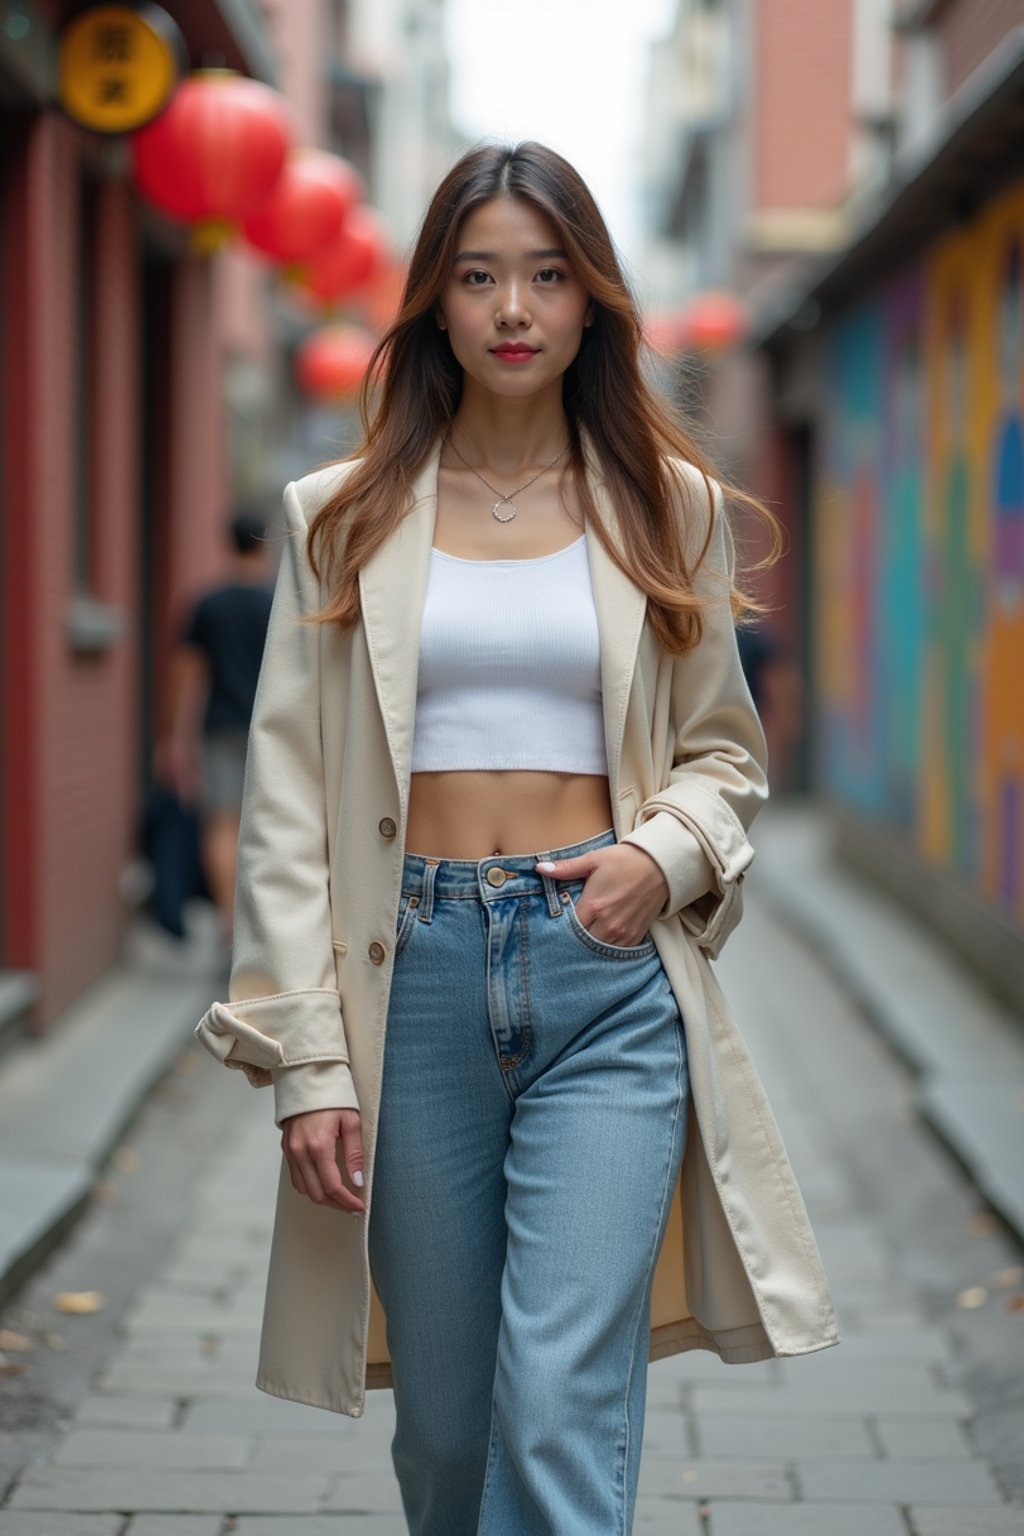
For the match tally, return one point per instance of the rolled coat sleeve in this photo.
(282, 1022)
(695, 827)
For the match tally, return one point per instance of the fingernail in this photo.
(547, 866)
(357, 1177)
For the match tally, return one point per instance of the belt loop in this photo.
(426, 912)
(550, 889)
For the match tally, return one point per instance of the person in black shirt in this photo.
(776, 687)
(211, 694)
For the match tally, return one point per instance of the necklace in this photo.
(507, 500)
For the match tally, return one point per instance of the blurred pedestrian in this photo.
(777, 688)
(210, 695)
(502, 768)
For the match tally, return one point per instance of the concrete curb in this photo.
(964, 1046)
(66, 1099)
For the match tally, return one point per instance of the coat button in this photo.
(496, 877)
(377, 953)
(386, 827)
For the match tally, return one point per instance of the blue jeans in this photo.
(532, 1124)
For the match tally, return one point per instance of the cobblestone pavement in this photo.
(146, 1421)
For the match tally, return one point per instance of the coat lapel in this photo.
(393, 586)
(621, 608)
(392, 589)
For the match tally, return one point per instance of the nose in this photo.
(512, 309)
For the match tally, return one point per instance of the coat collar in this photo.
(393, 585)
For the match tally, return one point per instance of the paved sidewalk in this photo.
(966, 1049)
(66, 1098)
(912, 1426)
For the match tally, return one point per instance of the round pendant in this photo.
(504, 502)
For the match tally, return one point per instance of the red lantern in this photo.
(332, 362)
(357, 254)
(381, 299)
(305, 210)
(216, 152)
(711, 321)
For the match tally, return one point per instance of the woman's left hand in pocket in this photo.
(624, 891)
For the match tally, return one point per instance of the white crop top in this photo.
(510, 666)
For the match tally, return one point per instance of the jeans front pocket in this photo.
(408, 907)
(641, 951)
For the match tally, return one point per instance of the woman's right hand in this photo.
(309, 1142)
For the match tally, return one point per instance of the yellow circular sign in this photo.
(118, 66)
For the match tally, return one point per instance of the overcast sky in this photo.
(571, 73)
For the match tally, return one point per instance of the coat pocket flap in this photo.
(281, 1030)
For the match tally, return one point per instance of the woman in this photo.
(501, 769)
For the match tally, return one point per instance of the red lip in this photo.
(513, 349)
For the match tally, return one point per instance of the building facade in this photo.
(885, 425)
(143, 390)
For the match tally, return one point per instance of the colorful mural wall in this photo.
(920, 536)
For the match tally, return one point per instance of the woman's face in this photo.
(513, 308)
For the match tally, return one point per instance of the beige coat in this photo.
(319, 874)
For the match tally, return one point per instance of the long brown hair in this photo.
(414, 384)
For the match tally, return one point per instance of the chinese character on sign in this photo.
(113, 44)
(113, 91)
(118, 64)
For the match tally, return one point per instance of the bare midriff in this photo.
(474, 814)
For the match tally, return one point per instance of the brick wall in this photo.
(87, 758)
(23, 357)
(198, 503)
(800, 105)
(72, 727)
(71, 790)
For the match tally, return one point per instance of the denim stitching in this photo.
(492, 1449)
(550, 888)
(467, 867)
(551, 892)
(524, 972)
(504, 1063)
(405, 927)
(507, 1063)
(681, 1102)
(429, 877)
(639, 951)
